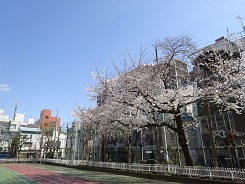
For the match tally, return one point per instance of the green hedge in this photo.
(151, 161)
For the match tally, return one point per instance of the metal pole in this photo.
(165, 144)
(142, 146)
(177, 142)
(165, 141)
(30, 147)
(55, 144)
(75, 141)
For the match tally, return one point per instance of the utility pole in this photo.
(75, 141)
(59, 143)
(55, 131)
(30, 147)
(238, 17)
(67, 137)
(15, 109)
(164, 127)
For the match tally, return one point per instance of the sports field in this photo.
(45, 174)
(23, 173)
(39, 173)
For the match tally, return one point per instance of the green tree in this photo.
(17, 144)
(48, 143)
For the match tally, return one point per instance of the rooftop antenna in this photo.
(15, 109)
(229, 38)
(238, 17)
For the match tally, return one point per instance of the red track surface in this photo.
(45, 176)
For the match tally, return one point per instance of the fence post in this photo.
(232, 176)
(210, 174)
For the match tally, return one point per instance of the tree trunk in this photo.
(128, 147)
(183, 141)
(104, 148)
(156, 131)
(211, 132)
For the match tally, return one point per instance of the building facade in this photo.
(47, 120)
(224, 123)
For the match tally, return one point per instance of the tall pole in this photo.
(75, 141)
(59, 143)
(156, 54)
(142, 146)
(30, 147)
(164, 128)
(55, 143)
(241, 21)
(67, 137)
(165, 144)
(15, 109)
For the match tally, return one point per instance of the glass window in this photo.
(227, 126)
(46, 117)
(219, 117)
(230, 115)
(225, 115)
(204, 124)
(172, 137)
(220, 125)
(232, 124)
(52, 124)
(12, 126)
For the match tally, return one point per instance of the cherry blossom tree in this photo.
(144, 88)
(109, 121)
(221, 83)
(150, 87)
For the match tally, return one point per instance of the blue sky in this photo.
(48, 48)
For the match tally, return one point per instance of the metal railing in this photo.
(202, 172)
(15, 160)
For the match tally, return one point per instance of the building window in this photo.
(13, 126)
(172, 138)
(52, 124)
(46, 117)
(45, 124)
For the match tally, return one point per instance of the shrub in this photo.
(142, 161)
(151, 161)
(168, 162)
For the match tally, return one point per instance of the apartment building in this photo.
(4, 128)
(223, 122)
(48, 121)
(34, 143)
(53, 139)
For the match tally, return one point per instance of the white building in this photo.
(53, 144)
(4, 128)
(31, 147)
